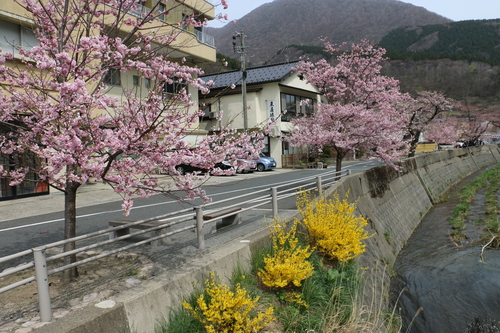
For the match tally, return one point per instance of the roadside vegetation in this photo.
(305, 280)
(490, 182)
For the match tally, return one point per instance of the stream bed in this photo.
(444, 286)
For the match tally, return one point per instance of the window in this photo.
(307, 107)
(162, 8)
(207, 111)
(113, 77)
(183, 21)
(175, 87)
(292, 105)
(147, 83)
(135, 80)
(266, 151)
(14, 37)
(31, 184)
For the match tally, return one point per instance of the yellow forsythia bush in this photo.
(222, 310)
(287, 264)
(333, 227)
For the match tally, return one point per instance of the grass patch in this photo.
(388, 237)
(332, 294)
(303, 282)
(490, 181)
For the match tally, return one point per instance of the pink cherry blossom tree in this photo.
(359, 108)
(55, 104)
(429, 113)
(474, 122)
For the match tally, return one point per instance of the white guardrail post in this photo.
(274, 195)
(319, 184)
(199, 227)
(42, 282)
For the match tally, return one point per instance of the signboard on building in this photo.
(271, 110)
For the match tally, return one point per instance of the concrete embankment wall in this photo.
(393, 201)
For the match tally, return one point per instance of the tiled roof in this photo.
(261, 74)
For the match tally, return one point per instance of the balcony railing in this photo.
(140, 10)
(205, 38)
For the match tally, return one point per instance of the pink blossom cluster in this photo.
(359, 108)
(429, 118)
(57, 107)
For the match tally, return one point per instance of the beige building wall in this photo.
(187, 46)
(258, 98)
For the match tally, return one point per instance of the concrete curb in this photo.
(140, 308)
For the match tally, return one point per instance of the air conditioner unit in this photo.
(213, 114)
(275, 131)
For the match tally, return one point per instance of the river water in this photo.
(447, 280)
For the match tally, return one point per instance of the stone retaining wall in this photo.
(395, 202)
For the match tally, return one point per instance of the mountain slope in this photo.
(469, 40)
(275, 25)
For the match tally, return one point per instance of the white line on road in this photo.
(151, 205)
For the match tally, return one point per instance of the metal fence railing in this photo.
(181, 219)
(205, 38)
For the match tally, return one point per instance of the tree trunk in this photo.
(338, 161)
(413, 144)
(70, 229)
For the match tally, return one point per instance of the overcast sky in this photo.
(456, 10)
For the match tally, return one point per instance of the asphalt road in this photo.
(20, 234)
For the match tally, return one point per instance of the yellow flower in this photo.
(287, 265)
(221, 309)
(333, 227)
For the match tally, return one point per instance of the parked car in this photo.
(182, 169)
(265, 163)
(246, 166)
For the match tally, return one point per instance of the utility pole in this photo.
(241, 50)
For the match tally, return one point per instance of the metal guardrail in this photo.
(260, 198)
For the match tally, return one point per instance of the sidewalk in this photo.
(92, 194)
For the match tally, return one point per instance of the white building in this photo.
(271, 89)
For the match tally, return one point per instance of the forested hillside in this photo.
(464, 40)
(280, 23)
(427, 51)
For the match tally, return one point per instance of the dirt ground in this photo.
(97, 281)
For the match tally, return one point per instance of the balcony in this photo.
(205, 38)
(139, 10)
(202, 37)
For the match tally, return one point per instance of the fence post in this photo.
(274, 195)
(42, 283)
(199, 227)
(319, 184)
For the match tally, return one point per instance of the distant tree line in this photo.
(421, 56)
(308, 49)
(231, 62)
